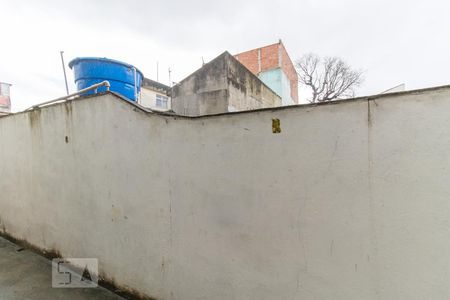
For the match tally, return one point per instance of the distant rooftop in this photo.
(155, 84)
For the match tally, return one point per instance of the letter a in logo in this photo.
(86, 275)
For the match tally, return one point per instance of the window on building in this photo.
(162, 101)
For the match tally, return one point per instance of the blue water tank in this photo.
(123, 78)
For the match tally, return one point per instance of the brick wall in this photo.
(289, 69)
(250, 60)
(268, 58)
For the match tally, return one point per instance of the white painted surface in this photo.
(346, 202)
(395, 89)
(147, 99)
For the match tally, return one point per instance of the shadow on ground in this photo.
(26, 275)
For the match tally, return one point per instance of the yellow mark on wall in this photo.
(116, 213)
(276, 126)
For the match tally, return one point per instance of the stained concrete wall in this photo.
(349, 201)
(221, 85)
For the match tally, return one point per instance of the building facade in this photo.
(274, 67)
(155, 95)
(220, 86)
(5, 101)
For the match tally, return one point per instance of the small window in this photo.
(162, 101)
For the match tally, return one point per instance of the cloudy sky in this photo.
(393, 41)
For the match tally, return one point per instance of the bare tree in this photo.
(329, 78)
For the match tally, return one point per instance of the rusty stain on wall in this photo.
(276, 126)
(116, 213)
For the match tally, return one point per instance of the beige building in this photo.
(155, 95)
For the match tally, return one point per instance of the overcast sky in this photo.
(393, 41)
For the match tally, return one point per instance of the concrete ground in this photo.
(24, 275)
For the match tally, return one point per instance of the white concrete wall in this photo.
(349, 201)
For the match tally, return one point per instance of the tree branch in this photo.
(329, 78)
